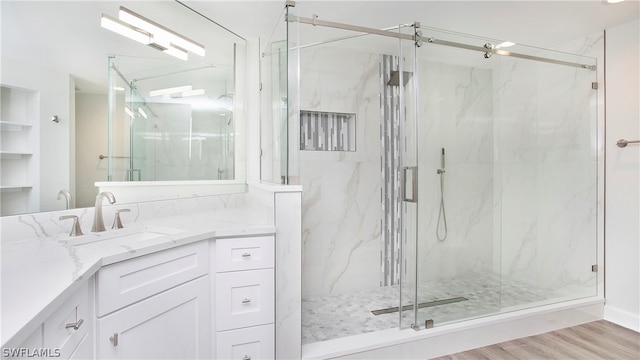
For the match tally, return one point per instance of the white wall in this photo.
(622, 222)
(91, 137)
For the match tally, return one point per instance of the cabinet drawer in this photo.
(244, 253)
(251, 343)
(244, 298)
(129, 281)
(58, 330)
(171, 325)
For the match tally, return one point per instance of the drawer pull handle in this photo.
(75, 325)
(246, 255)
(246, 301)
(114, 339)
(246, 357)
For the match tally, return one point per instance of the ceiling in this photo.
(72, 40)
(541, 23)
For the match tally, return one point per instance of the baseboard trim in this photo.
(622, 318)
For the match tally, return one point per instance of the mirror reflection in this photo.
(83, 104)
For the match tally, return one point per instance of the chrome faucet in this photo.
(98, 220)
(67, 196)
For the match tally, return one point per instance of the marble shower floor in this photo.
(336, 316)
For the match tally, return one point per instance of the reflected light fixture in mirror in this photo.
(148, 32)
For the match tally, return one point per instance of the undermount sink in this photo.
(124, 236)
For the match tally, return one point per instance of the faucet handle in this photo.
(76, 230)
(117, 223)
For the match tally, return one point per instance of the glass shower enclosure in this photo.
(471, 189)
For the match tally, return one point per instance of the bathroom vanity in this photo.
(204, 290)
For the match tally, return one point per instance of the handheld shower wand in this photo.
(442, 217)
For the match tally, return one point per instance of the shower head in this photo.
(394, 79)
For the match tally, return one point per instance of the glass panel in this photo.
(508, 179)
(547, 134)
(274, 111)
(352, 262)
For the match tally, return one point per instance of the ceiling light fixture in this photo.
(148, 32)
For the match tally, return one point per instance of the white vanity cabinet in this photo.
(155, 306)
(244, 298)
(67, 333)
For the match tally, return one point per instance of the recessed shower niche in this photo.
(327, 131)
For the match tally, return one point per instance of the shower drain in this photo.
(420, 305)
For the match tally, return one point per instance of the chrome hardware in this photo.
(117, 223)
(488, 46)
(428, 323)
(246, 301)
(594, 268)
(623, 143)
(75, 228)
(246, 255)
(67, 197)
(75, 325)
(246, 357)
(114, 339)
(410, 194)
(594, 85)
(98, 220)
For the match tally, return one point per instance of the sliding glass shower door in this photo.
(507, 158)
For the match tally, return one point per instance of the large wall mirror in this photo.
(108, 92)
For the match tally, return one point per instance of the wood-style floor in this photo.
(595, 340)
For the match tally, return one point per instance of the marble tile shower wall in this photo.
(548, 172)
(341, 197)
(520, 183)
(455, 112)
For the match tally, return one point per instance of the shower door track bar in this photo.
(316, 22)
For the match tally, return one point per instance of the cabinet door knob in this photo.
(246, 357)
(246, 255)
(75, 325)
(114, 339)
(246, 301)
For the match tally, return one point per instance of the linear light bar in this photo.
(173, 90)
(125, 29)
(160, 32)
(129, 112)
(144, 114)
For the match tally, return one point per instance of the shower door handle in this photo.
(410, 191)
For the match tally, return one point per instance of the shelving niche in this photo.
(18, 150)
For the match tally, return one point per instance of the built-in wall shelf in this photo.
(13, 155)
(19, 143)
(14, 188)
(327, 131)
(14, 126)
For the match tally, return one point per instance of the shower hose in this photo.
(442, 216)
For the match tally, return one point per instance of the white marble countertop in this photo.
(39, 274)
